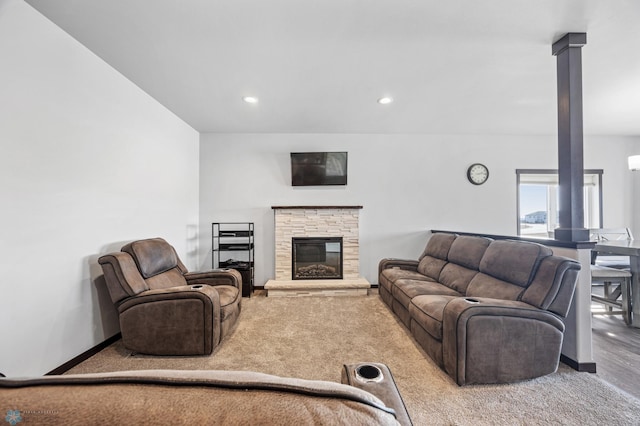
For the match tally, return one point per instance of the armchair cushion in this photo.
(229, 277)
(153, 256)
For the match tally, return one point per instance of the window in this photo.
(538, 201)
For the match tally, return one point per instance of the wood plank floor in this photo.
(616, 351)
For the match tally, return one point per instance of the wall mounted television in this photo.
(318, 168)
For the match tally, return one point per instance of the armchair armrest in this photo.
(215, 277)
(488, 340)
(182, 320)
(388, 263)
(206, 294)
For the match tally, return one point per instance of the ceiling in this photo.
(319, 66)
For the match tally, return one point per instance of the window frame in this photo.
(519, 172)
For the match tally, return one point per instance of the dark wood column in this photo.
(568, 51)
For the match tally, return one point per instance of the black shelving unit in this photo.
(233, 247)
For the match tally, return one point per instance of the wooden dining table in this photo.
(629, 248)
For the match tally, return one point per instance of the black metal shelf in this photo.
(236, 234)
(233, 247)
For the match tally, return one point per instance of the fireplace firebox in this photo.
(316, 258)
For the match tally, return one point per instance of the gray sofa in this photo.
(486, 311)
(198, 397)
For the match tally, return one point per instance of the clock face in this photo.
(477, 174)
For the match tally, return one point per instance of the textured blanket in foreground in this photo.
(187, 397)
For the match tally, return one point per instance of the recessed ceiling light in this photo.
(385, 100)
(250, 99)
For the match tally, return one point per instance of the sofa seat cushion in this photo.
(391, 275)
(427, 310)
(405, 290)
(228, 300)
(483, 285)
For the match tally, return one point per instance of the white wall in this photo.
(619, 195)
(407, 184)
(88, 162)
(634, 207)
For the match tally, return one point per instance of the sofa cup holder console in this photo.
(377, 378)
(367, 373)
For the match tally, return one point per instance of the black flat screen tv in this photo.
(318, 168)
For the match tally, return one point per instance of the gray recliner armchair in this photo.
(164, 309)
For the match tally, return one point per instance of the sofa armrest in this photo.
(376, 378)
(498, 341)
(215, 277)
(388, 263)
(182, 320)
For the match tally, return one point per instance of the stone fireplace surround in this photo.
(317, 221)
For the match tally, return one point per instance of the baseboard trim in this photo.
(587, 367)
(83, 356)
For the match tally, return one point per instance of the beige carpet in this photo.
(313, 337)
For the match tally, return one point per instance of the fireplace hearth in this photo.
(316, 258)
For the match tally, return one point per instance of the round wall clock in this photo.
(477, 173)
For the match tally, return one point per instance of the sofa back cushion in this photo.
(463, 261)
(468, 251)
(507, 268)
(435, 254)
(513, 261)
